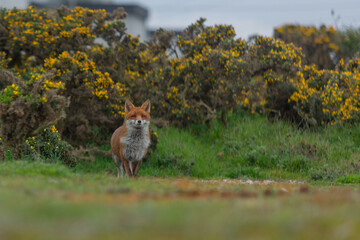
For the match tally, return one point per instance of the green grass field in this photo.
(196, 186)
(251, 147)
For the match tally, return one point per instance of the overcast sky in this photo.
(250, 16)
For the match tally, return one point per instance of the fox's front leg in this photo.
(136, 169)
(127, 168)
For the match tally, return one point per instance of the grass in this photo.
(250, 147)
(49, 201)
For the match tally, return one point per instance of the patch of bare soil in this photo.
(195, 189)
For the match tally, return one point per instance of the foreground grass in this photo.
(50, 201)
(251, 147)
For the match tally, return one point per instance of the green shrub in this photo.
(350, 38)
(325, 173)
(48, 146)
(349, 179)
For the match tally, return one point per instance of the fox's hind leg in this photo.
(120, 170)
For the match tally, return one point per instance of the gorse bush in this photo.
(25, 109)
(217, 73)
(204, 81)
(327, 89)
(321, 46)
(62, 41)
(275, 66)
(87, 87)
(48, 145)
(55, 51)
(329, 96)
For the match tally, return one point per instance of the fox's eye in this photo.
(133, 116)
(143, 116)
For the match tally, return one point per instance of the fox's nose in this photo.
(138, 121)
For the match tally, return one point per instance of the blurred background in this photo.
(249, 17)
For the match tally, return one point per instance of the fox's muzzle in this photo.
(138, 123)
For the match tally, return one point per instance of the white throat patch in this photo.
(136, 140)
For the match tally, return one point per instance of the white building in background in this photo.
(135, 20)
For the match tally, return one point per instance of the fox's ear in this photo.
(146, 106)
(128, 106)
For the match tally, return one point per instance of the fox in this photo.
(130, 142)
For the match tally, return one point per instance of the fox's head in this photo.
(137, 117)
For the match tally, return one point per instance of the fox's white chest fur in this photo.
(135, 142)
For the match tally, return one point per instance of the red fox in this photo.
(130, 142)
